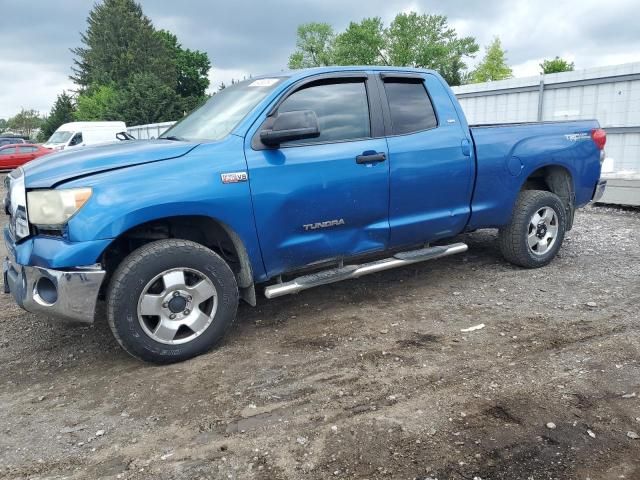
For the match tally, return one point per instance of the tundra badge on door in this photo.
(328, 223)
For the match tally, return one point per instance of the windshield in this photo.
(60, 137)
(216, 118)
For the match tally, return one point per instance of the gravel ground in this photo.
(371, 378)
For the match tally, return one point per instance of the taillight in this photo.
(599, 137)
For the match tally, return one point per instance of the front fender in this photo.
(190, 185)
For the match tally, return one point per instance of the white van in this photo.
(79, 134)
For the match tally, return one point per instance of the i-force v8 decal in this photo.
(234, 177)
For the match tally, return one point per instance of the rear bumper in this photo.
(63, 294)
(598, 191)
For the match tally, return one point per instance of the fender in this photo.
(123, 199)
(504, 166)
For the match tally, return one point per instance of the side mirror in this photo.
(123, 136)
(287, 126)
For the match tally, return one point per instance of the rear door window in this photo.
(27, 149)
(410, 106)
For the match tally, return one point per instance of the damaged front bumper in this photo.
(64, 294)
(68, 293)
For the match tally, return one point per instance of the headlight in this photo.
(55, 207)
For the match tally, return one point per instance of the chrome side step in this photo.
(354, 271)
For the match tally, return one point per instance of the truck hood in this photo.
(53, 169)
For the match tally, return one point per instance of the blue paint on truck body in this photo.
(434, 184)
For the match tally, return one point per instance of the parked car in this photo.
(80, 134)
(293, 181)
(14, 155)
(10, 140)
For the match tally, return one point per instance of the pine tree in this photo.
(127, 70)
(120, 42)
(493, 66)
(61, 112)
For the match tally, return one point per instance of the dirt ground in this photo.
(371, 378)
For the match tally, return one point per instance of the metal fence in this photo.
(608, 94)
(151, 130)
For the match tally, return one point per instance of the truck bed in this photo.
(507, 154)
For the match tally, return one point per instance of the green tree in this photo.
(147, 99)
(25, 122)
(411, 40)
(120, 42)
(122, 54)
(3, 125)
(556, 65)
(192, 67)
(361, 44)
(314, 46)
(427, 41)
(493, 66)
(99, 103)
(62, 112)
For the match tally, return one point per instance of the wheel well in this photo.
(200, 229)
(558, 180)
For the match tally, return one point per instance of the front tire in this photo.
(171, 300)
(536, 231)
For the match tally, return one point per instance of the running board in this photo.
(354, 271)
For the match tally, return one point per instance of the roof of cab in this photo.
(306, 72)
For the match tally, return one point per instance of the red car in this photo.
(12, 156)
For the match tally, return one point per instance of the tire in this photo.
(536, 231)
(171, 300)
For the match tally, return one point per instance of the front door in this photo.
(327, 197)
(8, 157)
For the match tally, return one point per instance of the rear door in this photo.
(25, 154)
(430, 159)
(327, 197)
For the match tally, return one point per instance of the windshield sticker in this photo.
(264, 82)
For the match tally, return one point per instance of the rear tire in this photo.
(536, 231)
(171, 300)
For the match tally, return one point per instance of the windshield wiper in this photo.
(174, 138)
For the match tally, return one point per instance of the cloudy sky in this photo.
(245, 37)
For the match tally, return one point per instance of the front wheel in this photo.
(171, 300)
(536, 231)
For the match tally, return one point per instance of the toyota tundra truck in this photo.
(289, 181)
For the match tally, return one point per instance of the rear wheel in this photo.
(536, 231)
(171, 300)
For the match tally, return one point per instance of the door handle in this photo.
(371, 157)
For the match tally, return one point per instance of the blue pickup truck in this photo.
(293, 180)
